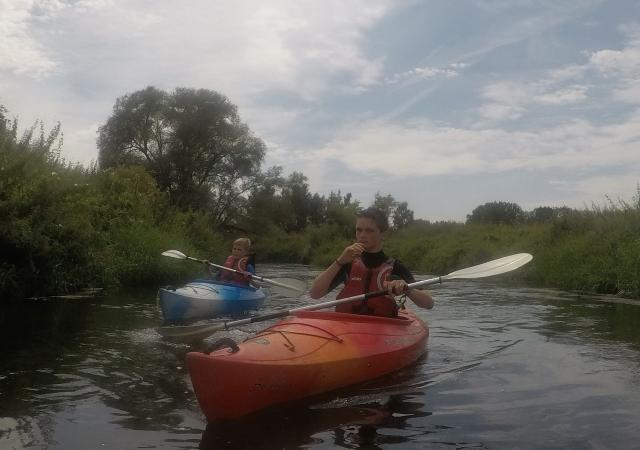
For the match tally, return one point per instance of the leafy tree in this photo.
(295, 192)
(193, 143)
(138, 132)
(286, 203)
(386, 203)
(317, 209)
(496, 213)
(402, 216)
(398, 212)
(341, 211)
(43, 241)
(544, 214)
(265, 208)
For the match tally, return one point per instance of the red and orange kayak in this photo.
(305, 354)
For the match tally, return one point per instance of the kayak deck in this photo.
(207, 299)
(305, 354)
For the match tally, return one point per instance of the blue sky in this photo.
(443, 104)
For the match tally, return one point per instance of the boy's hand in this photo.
(350, 253)
(395, 287)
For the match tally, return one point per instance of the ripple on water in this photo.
(506, 368)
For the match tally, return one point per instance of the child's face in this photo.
(239, 250)
(368, 234)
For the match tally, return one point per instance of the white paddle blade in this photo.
(495, 267)
(174, 254)
(287, 286)
(189, 332)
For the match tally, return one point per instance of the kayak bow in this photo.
(207, 299)
(303, 355)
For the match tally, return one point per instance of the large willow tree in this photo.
(191, 140)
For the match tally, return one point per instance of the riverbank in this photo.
(590, 251)
(64, 228)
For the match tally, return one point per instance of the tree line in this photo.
(201, 154)
(181, 170)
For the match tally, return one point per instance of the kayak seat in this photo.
(222, 343)
(248, 287)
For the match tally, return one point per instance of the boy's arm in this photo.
(327, 280)
(421, 298)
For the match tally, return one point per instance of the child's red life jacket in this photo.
(235, 264)
(361, 280)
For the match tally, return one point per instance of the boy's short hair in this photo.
(245, 242)
(377, 215)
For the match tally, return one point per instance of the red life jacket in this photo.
(235, 264)
(361, 280)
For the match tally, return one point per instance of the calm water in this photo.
(507, 368)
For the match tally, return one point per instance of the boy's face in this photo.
(239, 250)
(368, 234)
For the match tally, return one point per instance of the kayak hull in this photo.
(303, 355)
(202, 299)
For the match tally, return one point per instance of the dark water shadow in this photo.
(40, 321)
(596, 318)
(34, 333)
(297, 426)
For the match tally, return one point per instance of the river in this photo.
(507, 367)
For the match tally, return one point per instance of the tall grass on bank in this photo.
(595, 250)
(64, 227)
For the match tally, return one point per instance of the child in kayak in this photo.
(363, 267)
(240, 259)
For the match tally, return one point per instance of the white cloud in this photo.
(570, 84)
(267, 121)
(618, 188)
(629, 92)
(563, 96)
(501, 111)
(625, 62)
(307, 47)
(510, 100)
(621, 67)
(301, 48)
(102, 49)
(567, 73)
(523, 20)
(614, 186)
(422, 73)
(20, 52)
(81, 137)
(425, 149)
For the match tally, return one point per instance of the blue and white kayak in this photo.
(202, 299)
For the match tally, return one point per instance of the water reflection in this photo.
(504, 363)
(365, 425)
(596, 318)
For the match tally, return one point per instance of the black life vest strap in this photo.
(363, 308)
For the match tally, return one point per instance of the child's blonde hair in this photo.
(245, 242)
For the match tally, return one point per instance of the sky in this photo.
(443, 104)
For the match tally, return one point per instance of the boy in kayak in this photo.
(240, 259)
(363, 267)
